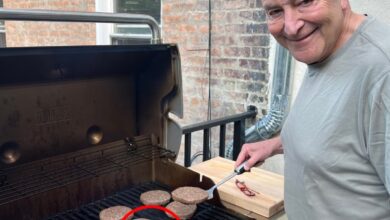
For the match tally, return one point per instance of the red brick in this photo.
(50, 33)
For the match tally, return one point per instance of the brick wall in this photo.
(50, 33)
(239, 57)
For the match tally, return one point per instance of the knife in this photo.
(239, 170)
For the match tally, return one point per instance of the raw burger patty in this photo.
(184, 211)
(189, 195)
(114, 213)
(155, 197)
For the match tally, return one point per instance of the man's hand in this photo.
(259, 151)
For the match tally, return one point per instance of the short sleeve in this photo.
(379, 130)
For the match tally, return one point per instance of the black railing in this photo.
(238, 134)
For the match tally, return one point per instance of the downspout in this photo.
(271, 123)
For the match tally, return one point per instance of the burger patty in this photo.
(184, 211)
(155, 197)
(114, 213)
(189, 195)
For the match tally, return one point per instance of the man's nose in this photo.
(292, 23)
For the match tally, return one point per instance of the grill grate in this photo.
(130, 198)
(37, 177)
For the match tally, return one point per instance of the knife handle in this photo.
(240, 169)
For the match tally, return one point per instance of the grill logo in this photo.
(53, 115)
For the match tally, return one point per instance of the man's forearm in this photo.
(277, 145)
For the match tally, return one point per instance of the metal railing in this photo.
(238, 134)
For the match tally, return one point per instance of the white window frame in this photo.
(104, 30)
(105, 33)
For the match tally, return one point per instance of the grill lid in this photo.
(56, 100)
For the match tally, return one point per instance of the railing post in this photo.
(187, 150)
(222, 136)
(238, 137)
(206, 144)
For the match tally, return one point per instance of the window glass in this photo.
(1, 22)
(135, 33)
(149, 7)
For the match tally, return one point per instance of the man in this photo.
(336, 138)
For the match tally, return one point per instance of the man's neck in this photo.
(351, 23)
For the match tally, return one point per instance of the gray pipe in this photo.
(270, 124)
(96, 17)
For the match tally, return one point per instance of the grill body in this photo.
(85, 128)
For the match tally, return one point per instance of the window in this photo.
(135, 33)
(2, 30)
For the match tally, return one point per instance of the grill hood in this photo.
(56, 100)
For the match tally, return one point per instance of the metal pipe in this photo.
(270, 124)
(96, 17)
(273, 121)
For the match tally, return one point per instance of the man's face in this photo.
(310, 29)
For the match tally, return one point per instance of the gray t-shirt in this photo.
(336, 137)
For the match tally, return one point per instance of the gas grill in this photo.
(83, 128)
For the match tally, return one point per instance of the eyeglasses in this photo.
(244, 189)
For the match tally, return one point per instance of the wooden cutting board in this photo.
(269, 187)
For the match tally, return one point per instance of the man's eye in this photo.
(305, 2)
(274, 13)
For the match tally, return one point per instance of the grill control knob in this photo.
(94, 135)
(9, 152)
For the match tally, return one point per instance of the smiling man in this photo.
(311, 30)
(336, 138)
